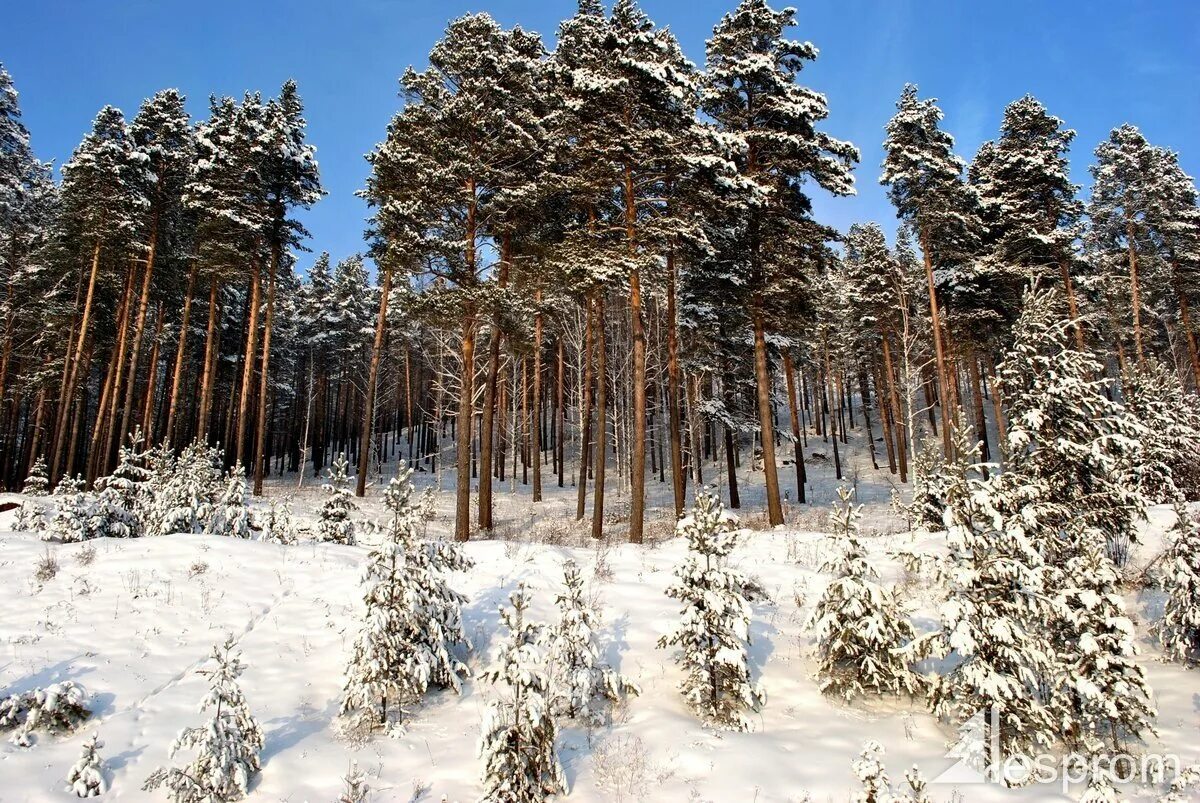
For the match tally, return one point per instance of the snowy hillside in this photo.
(134, 621)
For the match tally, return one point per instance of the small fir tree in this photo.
(121, 497)
(517, 740)
(413, 622)
(230, 516)
(580, 682)
(86, 777)
(871, 773)
(1178, 630)
(71, 520)
(713, 635)
(30, 518)
(335, 524)
(227, 747)
(357, 790)
(278, 526)
(860, 625)
(1100, 696)
(1170, 454)
(37, 483)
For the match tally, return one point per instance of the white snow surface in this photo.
(135, 625)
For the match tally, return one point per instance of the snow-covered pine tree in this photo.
(1074, 447)
(914, 790)
(277, 525)
(771, 123)
(1169, 460)
(872, 774)
(357, 790)
(1100, 789)
(413, 622)
(120, 497)
(86, 776)
(335, 524)
(993, 621)
(934, 474)
(1178, 630)
(520, 764)
(37, 484)
(60, 707)
(73, 507)
(183, 491)
(580, 682)
(714, 631)
(925, 184)
(30, 518)
(230, 516)
(1099, 694)
(226, 747)
(860, 625)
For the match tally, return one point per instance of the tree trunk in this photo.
(673, 400)
(789, 373)
(601, 447)
(264, 380)
(487, 423)
(1135, 297)
(585, 437)
(535, 429)
(248, 361)
(939, 348)
(210, 363)
(71, 368)
(767, 432)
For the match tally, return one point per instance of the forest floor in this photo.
(134, 625)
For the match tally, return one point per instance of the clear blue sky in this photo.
(1095, 64)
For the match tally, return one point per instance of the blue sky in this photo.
(1095, 64)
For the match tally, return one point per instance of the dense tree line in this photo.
(596, 259)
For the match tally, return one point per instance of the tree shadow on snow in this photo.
(290, 731)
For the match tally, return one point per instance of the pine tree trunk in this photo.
(585, 438)
(767, 436)
(536, 428)
(789, 373)
(248, 361)
(735, 500)
(939, 348)
(487, 423)
(147, 416)
(139, 327)
(210, 363)
(1135, 297)
(900, 425)
(561, 412)
(264, 381)
(169, 435)
(673, 400)
(102, 433)
(601, 447)
(368, 419)
(637, 463)
(72, 367)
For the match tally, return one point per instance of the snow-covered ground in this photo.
(135, 624)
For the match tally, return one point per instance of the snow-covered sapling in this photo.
(1099, 695)
(230, 516)
(413, 621)
(72, 515)
(120, 497)
(86, 777)
(37, 483)
(581, 683)
(860, 625)
(356, 790)
(30, 518)
(713, 634)
(227, 746)
(520, 764)
(1179, 628)
(59, 707)
(334, 522)
(277, 525)
(872, 774)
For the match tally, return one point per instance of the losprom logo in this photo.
(979, 760)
